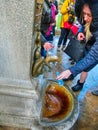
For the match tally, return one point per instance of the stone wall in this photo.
(17, 87)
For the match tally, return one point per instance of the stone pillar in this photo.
(17, 87)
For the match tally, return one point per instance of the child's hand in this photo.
(48, 46)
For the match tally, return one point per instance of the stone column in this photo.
(17, 88)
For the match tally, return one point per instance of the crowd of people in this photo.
(83, 11)
(67, 7)
(89, 20)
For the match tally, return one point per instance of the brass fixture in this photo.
(40, 62)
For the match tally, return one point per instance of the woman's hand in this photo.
(81, 37)
(64, 75)
(47, 46)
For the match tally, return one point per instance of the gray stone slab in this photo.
(17, 88)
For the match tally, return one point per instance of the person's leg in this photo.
(66, 35)
(65, 38)
(62, 35)
(83, 76)
(80, 82)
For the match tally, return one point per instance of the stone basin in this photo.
(58, 105)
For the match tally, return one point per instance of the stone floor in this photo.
(88, 110)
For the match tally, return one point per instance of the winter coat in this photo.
(65, 12)
(46, 18)
(91, 59)
(43, 40)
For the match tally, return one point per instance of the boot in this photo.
(95, 92)
(78, 86)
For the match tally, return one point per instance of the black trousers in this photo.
(63, 36)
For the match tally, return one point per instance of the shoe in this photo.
(59, 48)
(69, 78)
(78, 86)
(95, 92)
(63, 47)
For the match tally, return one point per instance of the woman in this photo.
(67, 7)
(46, 21)
(90, 17)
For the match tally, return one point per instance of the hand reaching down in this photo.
(48, 46)
(64, 75)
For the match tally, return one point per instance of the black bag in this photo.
(75, 49)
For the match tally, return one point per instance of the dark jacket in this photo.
(46, 18)
(91, 59)
(43, 40)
